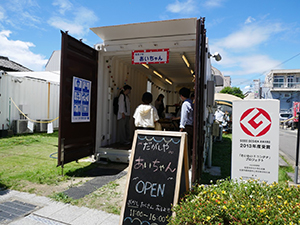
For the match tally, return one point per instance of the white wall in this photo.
(32, 94)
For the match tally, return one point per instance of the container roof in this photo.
(47, 76)
(165, 28)
(179, 36)
(226, 97)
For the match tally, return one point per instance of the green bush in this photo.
(243, 202)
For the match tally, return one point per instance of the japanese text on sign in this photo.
(150, 56)
(81, 96)
(152, 181)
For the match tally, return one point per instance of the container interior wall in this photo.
(31, 96)
(113, 74)
(159, 87)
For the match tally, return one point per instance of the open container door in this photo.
(199, 105)
(78, 100)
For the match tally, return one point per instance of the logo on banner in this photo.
(255, 122)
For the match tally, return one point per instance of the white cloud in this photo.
(181, 7)
(244, 64)
(249, 20)
(213, 3)
(78, 25)
(249, 36)
(2, 13)
(67, 25)
(22, 12)
(64, 5)
(255, 64)
(19, 51)
(241, 51)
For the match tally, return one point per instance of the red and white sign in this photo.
(153, 56)
(255, 140)
(255, 122)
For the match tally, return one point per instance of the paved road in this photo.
(288, 143)
(20, 208)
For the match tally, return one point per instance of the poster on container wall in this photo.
(255, 140)
(81, 96)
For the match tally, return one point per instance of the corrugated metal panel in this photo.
(32, 94)
(113, 75)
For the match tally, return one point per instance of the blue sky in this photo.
(252, 36)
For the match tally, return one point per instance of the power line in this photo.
(271, 68)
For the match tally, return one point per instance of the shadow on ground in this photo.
(221, 159)
(103, 173)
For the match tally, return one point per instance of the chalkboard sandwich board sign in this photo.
(158, 172)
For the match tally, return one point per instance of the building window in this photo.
(278, 81)
(298, 81)
(290, 81)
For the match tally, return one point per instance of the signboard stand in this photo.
(158, 174)
(255, 140)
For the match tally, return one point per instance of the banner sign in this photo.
(81, 96)
(154, 56)
(255, 140)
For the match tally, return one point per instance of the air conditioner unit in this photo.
(43, 126)
(20, 127)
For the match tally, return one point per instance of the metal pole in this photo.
(297, 151)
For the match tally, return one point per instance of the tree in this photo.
(233, 91)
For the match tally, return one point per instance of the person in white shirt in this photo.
(219, 117)
(145, 115)
(123, 116)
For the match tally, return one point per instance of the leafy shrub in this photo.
(244, 202)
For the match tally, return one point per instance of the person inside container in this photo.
(123, 116)
(187, 117)
(159, 105)
(145, 115)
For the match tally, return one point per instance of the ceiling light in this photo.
(170, 82)
(145, 65)
(185, 60)
(157, 73)
(192, 71)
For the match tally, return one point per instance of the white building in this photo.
(221, 81)
(283, 85)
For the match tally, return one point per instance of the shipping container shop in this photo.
(158, 57)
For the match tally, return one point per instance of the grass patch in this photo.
(107, 198)
(283, 172)
(62, 197)
(221, 157)
(27, 158)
